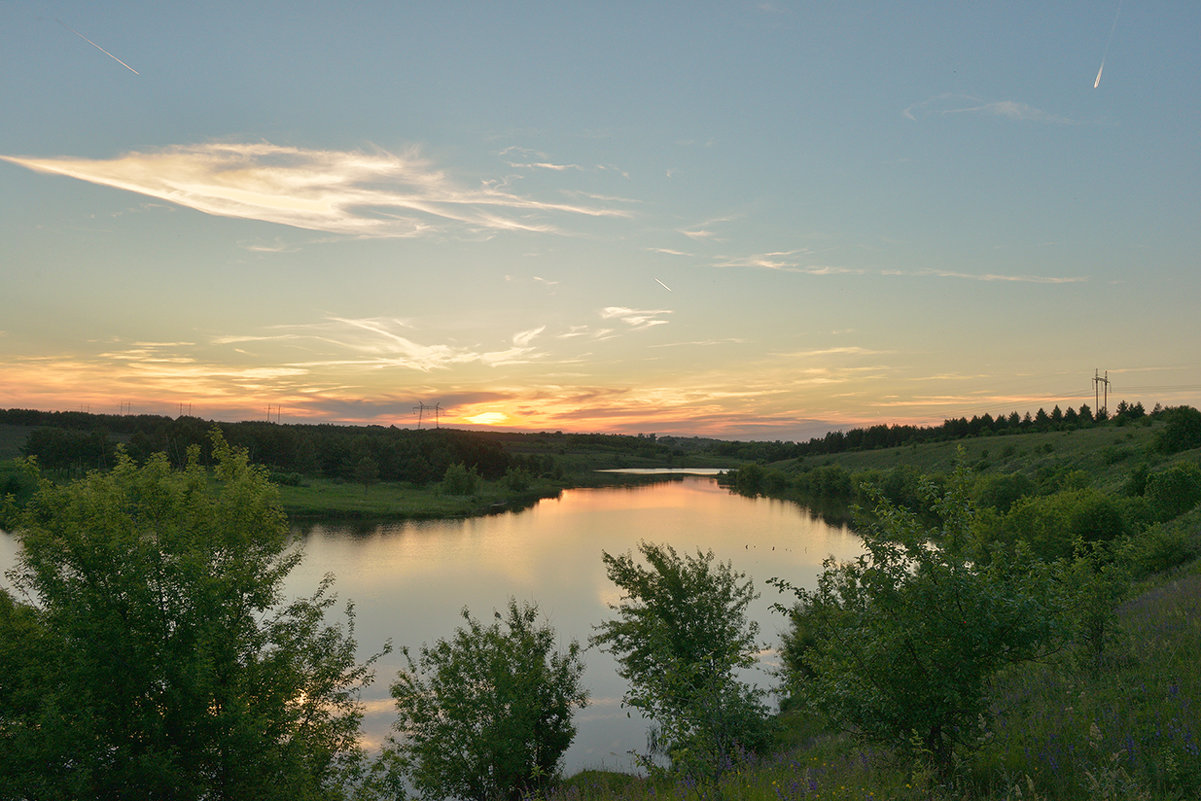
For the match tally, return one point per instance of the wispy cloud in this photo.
(1026, 279)
(791, 261)
(638, 319)
(374, 343)
(952, 104)
(846, 350)
(704, 231)
(537, 160)
(377, 194)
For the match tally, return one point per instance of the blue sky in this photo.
(738, 219)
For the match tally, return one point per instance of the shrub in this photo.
(680, 635)
(460, 480)
(1181, 430)
(487, 714)
(1174, 491)
(909, 635)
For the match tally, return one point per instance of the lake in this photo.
(410, 580)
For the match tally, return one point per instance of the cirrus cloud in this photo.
(377, 194)
(951, 104)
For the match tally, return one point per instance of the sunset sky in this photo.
(743, 220)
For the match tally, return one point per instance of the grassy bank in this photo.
(322, 498)
(318, 498)
(1105, 453)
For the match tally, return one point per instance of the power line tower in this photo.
(421, 408)
(1102, 406)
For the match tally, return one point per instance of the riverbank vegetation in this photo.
(372, 472)
(1025, 622)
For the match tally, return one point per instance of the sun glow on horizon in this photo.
(488, 418)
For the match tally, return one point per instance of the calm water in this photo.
(409, 581)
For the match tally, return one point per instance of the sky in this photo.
(736, 219)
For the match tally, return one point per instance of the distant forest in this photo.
(75, 442)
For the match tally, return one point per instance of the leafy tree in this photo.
(1051, 526)
(1001, 491)
(1091, 584)
(366, 472)
(460, 480)
(749, 479)
(518, 479)
(1173, 491)
(680, 636)
(487, 714)
(1181, 430)
(902, 642)
(153, 655)
(70, 451)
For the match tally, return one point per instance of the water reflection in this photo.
(409, 581)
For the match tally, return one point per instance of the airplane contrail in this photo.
(660, 283)
(1108, 42)
(98, 47)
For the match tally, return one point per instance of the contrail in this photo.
(98, 47)
(660, 283)
(1108, 42)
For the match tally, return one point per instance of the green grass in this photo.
(325, 498)
(1102, 452)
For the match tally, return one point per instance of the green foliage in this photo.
(1181, 430)
(487, 714)
(1050, 526)
(749, 479)
(1092, 584)
(518, 479)
(460, 480)
(909, 635)
(1002, 491)
(154, 657)
(1174, 491)
(366, 472)
(680, 634)
(69, 451)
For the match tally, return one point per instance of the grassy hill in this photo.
(1104, 452)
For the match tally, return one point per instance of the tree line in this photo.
(71, 443)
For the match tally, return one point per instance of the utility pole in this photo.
(1098, 382)
(421, 408)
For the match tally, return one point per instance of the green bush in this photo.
(1181, 430)
(486, 714)
(1174, 491)
(460, 480)
(910, 634)
(680, 637)
(1000, 492)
